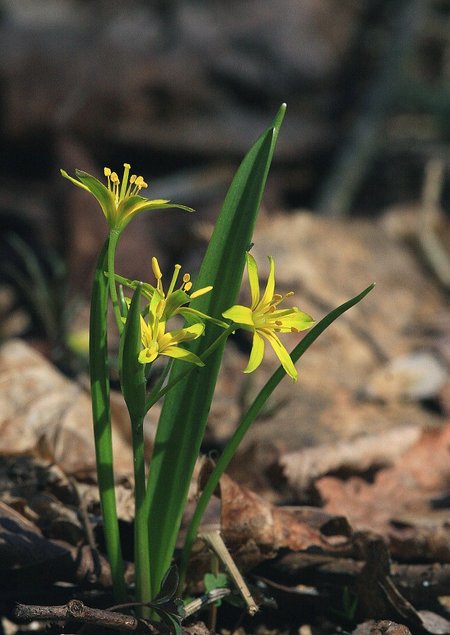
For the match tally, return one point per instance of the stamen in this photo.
(156, 269)
(187, 286)
(115, 185)
(126, 172)
(107, 173)
(139, 183)
(132, 180)
(176, 271)
(160, 309)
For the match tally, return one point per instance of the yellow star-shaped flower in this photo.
(265, 320)
(120, 200)
(156, 341)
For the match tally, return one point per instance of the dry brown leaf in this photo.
(402, 503)
(45, 414)
(254, 529)
(302, 468)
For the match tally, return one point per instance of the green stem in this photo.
(101, 413)
(141, 547)
(157, 394)
(114, 236)
(247, 420)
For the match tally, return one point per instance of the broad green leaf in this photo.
(186, 406)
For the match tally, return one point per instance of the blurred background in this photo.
(181, 89)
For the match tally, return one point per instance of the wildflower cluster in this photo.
(120, 202)
(189, 322)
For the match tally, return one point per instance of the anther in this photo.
(187, 286)
(186, 277)
(160, 309)
(107, 171)
(278, 322)
(156, 269)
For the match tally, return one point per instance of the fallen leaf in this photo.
(357, 456)
(400, 503)
(45, 414)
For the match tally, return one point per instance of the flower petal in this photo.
(74, 181)
(147, 355)
(183, 355)
(181, 335)
(101, 193)
(252, 271)
(270, 286)
(292, 320)
(257, 353)
(129, 207)
(281, 353)
(240, 315)
(146, 333)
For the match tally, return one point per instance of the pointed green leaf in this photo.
(186, 406)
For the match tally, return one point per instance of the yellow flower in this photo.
(120, 200)
(265, 320)
(174, 300)
(157, 342)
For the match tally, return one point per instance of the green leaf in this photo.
(186, 406)
(99, 375)
(215, 581)
(132, 372)
(250, 416)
